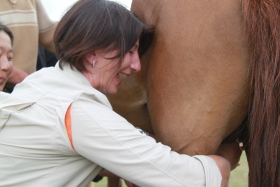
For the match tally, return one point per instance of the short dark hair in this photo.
(8, 31)
(91, 25)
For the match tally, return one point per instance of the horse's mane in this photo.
(262, 24)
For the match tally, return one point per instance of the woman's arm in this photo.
(105, 138)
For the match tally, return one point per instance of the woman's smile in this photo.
(108, 72)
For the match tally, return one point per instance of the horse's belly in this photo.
(131, 101)
(197, 80)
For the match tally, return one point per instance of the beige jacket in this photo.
(30, 25)
(56, 130)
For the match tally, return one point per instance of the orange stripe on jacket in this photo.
(68, 125)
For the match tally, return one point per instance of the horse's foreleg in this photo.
(114, 181)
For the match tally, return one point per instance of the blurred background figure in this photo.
(6, 54)
(31, 25)
(45, 58)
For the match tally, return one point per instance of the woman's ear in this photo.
(91, 59)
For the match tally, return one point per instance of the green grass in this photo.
(238, 177)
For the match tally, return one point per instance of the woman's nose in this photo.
(136, 64)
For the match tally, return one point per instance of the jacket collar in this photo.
(73, 74)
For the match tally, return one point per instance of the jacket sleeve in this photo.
(46, 27)
(107, 139)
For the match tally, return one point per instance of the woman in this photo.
(58, 128)
(6, 54)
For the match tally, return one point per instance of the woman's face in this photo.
(106, 75)
(6, 56)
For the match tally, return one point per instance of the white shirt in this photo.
(36, 150)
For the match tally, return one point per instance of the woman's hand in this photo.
(231, 152)
(227, 158)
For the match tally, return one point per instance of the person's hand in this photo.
(226, 158)
(224, 166)
(15, 77)
(231, 152)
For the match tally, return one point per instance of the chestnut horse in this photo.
(212, 65)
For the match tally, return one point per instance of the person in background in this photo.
(59, 129)
(30, 24)
(45, 58)
(6, 54)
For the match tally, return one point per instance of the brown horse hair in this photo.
(262, 28)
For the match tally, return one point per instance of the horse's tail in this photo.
(262, 23)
